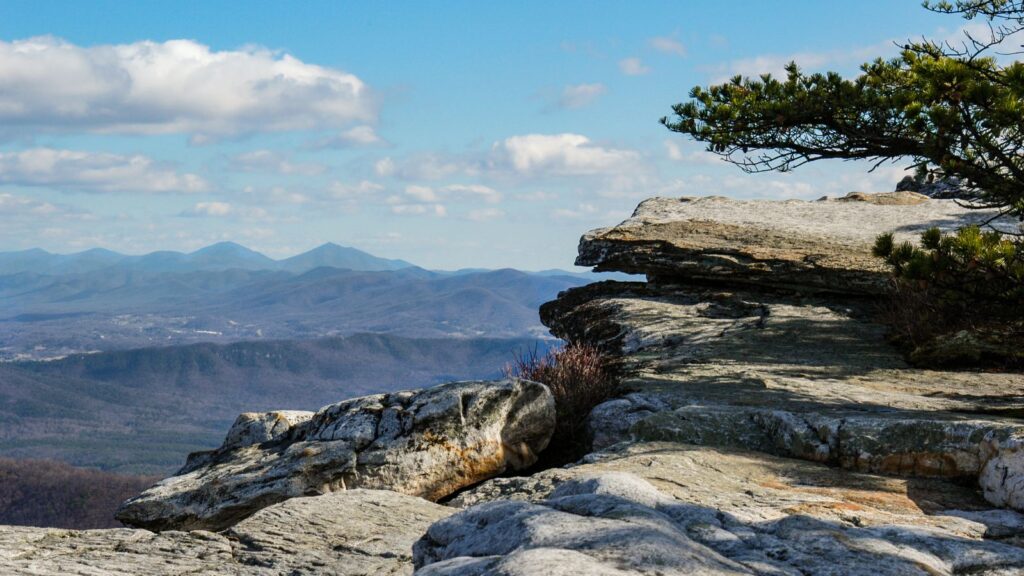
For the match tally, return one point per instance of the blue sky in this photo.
(454, 134)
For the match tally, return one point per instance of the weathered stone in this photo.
(427, 443)
(809, 246)
(948, 188)
(256, 428)
(806, 377)
(351, 532)
(356, 532)
(898, 198)
(666, 508)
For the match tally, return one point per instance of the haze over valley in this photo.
(54, 305)
(128, 363)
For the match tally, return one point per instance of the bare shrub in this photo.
(579, 379)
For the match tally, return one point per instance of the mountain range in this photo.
(220, 256)
(127, 363)
(52, 305)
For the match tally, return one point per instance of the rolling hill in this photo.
(142, 411)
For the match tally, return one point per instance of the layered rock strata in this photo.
(427, 443)
(807, 246)
(762, 338)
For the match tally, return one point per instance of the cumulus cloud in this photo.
(699, 156)
(485, 214)
(178, 86)
(426, 166)
(208, 209)
(94, 172)
(418, 199)
(561, 154)
(13, 207)
(363, 188)
(421, 193)
(384, 167)
(485, 193)
(398, 206)
(580, 95)
(359, 136)
(775, 64)
(580, 212)
(215, 209)
(269, 161)
(668, 45)
(633, 67)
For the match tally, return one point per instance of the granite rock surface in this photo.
(427, 443)
(787, 361)
(355, 533)
(663, 508)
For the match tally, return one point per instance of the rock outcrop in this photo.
(949, 188)
(763, 426)
(763, 339)
(427, 443)
(806, 246)
(356, 532)
(666, 509)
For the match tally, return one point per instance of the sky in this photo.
(449, 134)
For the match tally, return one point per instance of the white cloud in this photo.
(434, 209)
(565, 154)
(485, 214)
(269, 161)
(580, 95)
(384, 167)
(580, 212)
(216, 209)
(13, 206)
(93, 172)
(775, 64)
(633, 67)
(282, 195)
(363, 188)
(178, 86)
(536, 196)
(668, 45)
(421, 193)
(429, 166)
(485, 193)
(208, 209)
(359, 136)
(700, 156)
(426, 200)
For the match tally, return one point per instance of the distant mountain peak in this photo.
(225, 247)
(219, 256)
(334, 255)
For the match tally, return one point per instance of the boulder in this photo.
(666, 509)
(908, 184)
(807, 246)
(427, 443)
(948, 188)
(355, 532)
